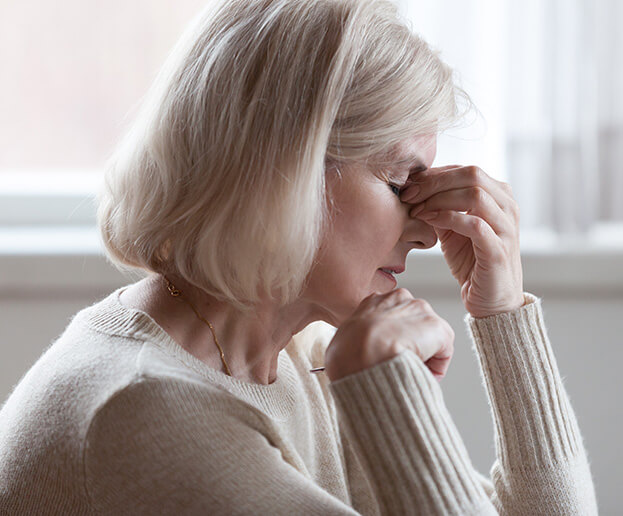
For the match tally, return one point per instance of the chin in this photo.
(345, 309)
(336, 313)
(337, 306)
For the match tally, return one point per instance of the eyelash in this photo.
(395, 189)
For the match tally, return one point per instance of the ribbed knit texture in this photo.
(116, 418)
(403, 431)
(536, 432)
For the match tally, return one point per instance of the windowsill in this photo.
(49, 241)
(34, 260)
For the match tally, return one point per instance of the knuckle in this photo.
(478, 193)
(422, 304)
(475, 174)
(479, 225)
(394, 348)
(402, 293)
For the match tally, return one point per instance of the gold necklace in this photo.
(175, 292)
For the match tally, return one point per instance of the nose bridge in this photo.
(417, 233)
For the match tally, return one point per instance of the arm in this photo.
(541, 465)
(394, 417)
(158, 448)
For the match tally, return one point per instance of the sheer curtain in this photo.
(548, 79)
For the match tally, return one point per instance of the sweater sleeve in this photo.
(541, 465)
(159, 448)
(394, 416)
(409, 447)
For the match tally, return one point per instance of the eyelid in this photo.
(397, 184)
(398, 187)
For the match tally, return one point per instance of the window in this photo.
(75, 72)
(547, 77)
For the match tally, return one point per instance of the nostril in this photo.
(419, 244)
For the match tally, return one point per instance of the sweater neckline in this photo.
(110, 316)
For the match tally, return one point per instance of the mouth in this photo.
(388, 272)
(392, 270)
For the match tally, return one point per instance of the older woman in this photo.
(277, 176)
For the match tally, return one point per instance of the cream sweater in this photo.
(115, 418)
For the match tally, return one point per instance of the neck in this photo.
(251, 342)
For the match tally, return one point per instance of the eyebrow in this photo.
(411, 162)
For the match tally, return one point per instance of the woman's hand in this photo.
(480, 246)
(381, 327)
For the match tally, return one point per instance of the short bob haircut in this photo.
(221, 179)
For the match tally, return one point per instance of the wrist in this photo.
(338, 369)
(511, 307)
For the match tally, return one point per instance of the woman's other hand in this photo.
(381, 327)
(481, 246)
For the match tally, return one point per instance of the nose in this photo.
(418, 234)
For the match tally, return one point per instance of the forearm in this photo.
(395, 417)
(542, 465)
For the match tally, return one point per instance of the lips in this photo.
(389, 274)
(396, 269)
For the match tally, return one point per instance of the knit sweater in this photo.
(116, 418)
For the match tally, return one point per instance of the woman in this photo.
(277, 176)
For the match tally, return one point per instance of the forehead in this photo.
(416, 152)
(410, 155)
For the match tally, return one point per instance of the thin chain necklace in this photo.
(175, 292)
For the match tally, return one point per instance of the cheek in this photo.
(364, 230)
(348, 258)
(365, 237)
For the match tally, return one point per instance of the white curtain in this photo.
(547, 76)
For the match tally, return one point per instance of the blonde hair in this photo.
(221, 179)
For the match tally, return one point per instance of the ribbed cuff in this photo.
(535, 425)
(395, 416)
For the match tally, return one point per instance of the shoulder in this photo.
(164, 443)
(54, 399)
(157, 400)
(160, 421)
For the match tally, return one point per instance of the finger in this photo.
(425, 183)
(412, 185)
(438, 366)
(439, 363)
(486, 243)
(394, 297)
(474, 200)
(413, 176)
(432, 181)
(383, 301)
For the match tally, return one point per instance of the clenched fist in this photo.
(384, 325)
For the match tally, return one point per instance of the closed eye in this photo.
(395, 189)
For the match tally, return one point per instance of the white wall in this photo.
(582, 299)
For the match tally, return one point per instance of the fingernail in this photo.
(416, 209)
(410, 193)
